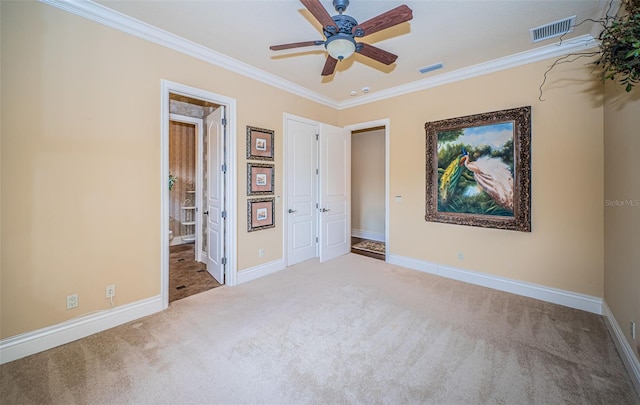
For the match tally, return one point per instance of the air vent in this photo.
(430, 68)
(552, 30)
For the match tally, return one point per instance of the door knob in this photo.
(291, 211)
(325, 210)
(206, 212)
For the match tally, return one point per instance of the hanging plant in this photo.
(172, 180)
(619, 49)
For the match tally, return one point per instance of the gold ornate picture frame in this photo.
(478, 170)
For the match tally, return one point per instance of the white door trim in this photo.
(230, 178)
(198, 122)
(387, 130)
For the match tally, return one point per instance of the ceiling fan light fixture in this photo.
(340, 46)
(340, 31)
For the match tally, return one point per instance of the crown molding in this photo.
(565, 47)
(110, 18)
(113, 19)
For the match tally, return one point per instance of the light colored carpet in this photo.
(352, 330)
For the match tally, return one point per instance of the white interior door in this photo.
(335, 192)
(215, 198)
(302, 191)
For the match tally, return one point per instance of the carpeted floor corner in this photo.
(353, 330)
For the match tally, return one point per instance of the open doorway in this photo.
(188, 161)
(198, 175)
(319, 188)
(369, 191)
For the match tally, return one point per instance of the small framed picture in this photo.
(260, 178)
(260, 214)
(259, 143)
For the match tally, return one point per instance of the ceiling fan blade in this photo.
(378, 54)
(329, 66)
(319, 12)
(392, 17)
(295, 45)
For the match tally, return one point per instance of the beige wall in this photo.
(81, 106)
(622, 208)
(367, 181)
(81, 141)
(565, 248)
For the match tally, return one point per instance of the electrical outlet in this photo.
(633, 330)
(260, 252)
(72, 301)
(460, 256)
(110, 291)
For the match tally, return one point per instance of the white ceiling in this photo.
(459, 34)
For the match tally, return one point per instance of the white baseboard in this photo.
(629, 359)
(260, 271)
(359, 233)
(29, 343)
(561, 297)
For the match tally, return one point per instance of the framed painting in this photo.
(260, 214)
(260, 179)
(259, 143)
(478, 170)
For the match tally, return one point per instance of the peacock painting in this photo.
(476, 171)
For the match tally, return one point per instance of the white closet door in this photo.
(335, 192)
(302, 191)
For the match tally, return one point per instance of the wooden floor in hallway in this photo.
(187, 276)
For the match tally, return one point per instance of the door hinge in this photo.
(224, 214)
(224, 261)
(224, 168)
(316, 205)
(317, 137)
(317, 171)
(224, 122)
(316, 239)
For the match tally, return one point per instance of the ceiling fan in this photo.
(341, 30)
